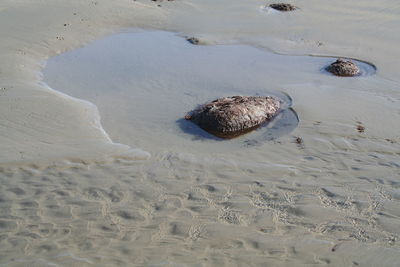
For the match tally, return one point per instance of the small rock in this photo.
(299, 140)
(283, 7)
(360, 127)
(344, 68)
(193, 40)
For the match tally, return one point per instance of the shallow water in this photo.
(157, 77)
(145, 82)
(254, 200)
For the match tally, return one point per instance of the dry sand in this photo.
(69, 196)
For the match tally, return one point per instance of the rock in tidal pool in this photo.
(229, 117)
(344, 68)
(283, 7)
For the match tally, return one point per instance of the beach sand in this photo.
(86, 181)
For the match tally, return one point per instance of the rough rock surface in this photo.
(344, 68)
(229, 117)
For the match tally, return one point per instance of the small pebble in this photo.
(283, 7)
(193, 40)
(299, 140)
(360, 127)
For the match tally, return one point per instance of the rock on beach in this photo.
(229, 117)
(344, 68)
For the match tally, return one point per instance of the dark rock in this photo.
(230, 117)
(193, 40)
(344, 68)
(299, 140)
(360, 127)
(283, 7)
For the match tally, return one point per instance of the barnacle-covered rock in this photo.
(344, 68)
(229, 117)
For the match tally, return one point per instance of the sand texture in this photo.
(97, 169)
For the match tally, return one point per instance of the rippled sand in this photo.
(181, 209)
(69, 196)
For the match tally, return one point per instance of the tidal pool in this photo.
(144, 83)
(147, 81)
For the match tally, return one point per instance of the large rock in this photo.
(229, 117)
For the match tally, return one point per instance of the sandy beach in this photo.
(97, 167)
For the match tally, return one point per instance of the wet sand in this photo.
(79, 191)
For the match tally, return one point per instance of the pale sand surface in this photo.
(71, 197)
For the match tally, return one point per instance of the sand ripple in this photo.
(145, 212)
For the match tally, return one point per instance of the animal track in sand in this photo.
(229, 216)
(196, 232)
(113, 195)
(129, 215)
(330, 199)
